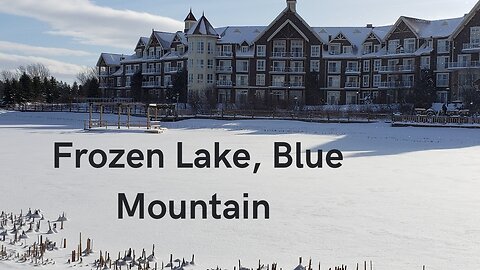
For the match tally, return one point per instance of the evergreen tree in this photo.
(8, 93)
(25, 89)
(92, 88)
(37, 89)
(179, 88)
(424, 93)
(312, 85)
(75, 91)
(136, 86)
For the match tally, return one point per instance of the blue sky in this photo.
(68, 35)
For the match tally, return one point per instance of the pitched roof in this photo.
(190, 17)
(111, 59)
(203, 27)
(164, 38)
(239, 34)
(435, 28)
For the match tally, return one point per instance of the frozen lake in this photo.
(404, 197)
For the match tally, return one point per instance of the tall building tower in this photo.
(202, 41)
(190, 21)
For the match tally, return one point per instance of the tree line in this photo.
(34, 83)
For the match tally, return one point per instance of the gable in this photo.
(288, 24)
(401, 30)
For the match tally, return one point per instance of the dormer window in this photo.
(244, 49)
(367, 48)
(393, 46)
(409, 45)
(334, 49)
(347, 49)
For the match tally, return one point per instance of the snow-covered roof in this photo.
(164, 38)
(436, 28)
(203, 27)
(111, 59)
(239, 34)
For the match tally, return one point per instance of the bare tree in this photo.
(8, 75)
(35, 70)
(87, 75)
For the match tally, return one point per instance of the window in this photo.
(200, 78)
(315, 66)
(366, 65)
(333, 82)
(200, 47)
(242, 80)
(425, 62)
(442, 62)
(210, 47)
(464, 60)
(334, 49)
(279, 46)
(261, 65)
(297, 47)
(347, 49)
(190, 78)
(334, 66)
(443, 80)
(128, 81)
(367, 48)
(377, 79)
(244, 49)
(119, 81)
(260, 79)
(443, 46)
(408, 64)
(393, 46)
(352, 67)
(200, 63)
(210, 64)
(377, 47)
(168, 80)
(261, 50)
(475, 35)
(209, 78)
(409, 45)
(278, 80)
(366, 81)
(296, 66)
(242, 65)
(377, 63)
(315, 51)
(278, 66)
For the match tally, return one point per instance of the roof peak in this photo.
(190, 17)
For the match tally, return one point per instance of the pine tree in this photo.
(8, 94)
(136, 85)
(25, 89)
(37, 89)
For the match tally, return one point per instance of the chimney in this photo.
(292, 5)
(369, 25)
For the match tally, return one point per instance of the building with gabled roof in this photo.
(290, 62)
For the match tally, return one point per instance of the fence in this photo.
(402, 120)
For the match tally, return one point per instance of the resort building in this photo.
(290, 62)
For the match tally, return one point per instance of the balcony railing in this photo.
(465, 64)
(288, 84)
(151, 84)
(396, 69)
(130, 71)
(287, 54)
(471, 46)
(224, 54)
(224, 83)
(170, 69)
(395, 84)
(288, 69)
(352, 85)
(352, 70)
(401, 51)
(224, 69)
(104, 73)
(151, 71)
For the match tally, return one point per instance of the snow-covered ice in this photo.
(405, 197)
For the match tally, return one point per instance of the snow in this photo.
(405, 197)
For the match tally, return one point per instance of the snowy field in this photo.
(405, 197)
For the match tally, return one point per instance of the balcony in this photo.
(151, 84)
(352, 71)
(287, 69)
(151, 71)
(225, 83)
(288, 84)
(225, 54)
(130, 71)
(395, 85)
(224, 69)
(463, 65)
(104, 73)
(471, 47)
(396, 69)
(287, 55)
(352, 85)
(170, 69)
